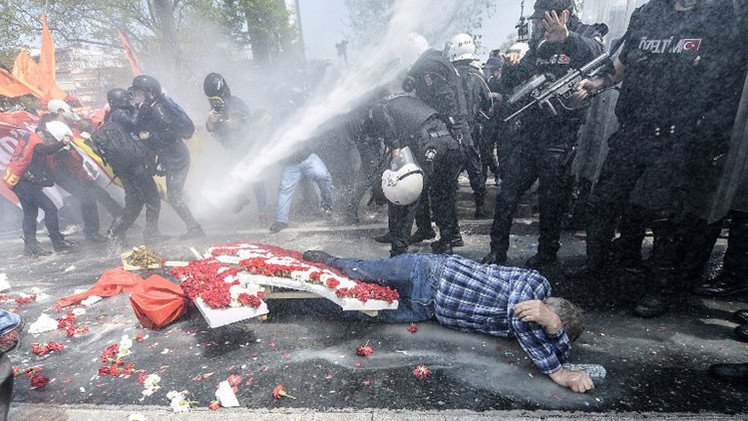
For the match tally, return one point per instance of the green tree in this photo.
(264, 25)
(367, 20)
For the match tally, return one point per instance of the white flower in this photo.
(179, 402)
(124, 345)
(152, 381)
(300, 276)
(136, 417)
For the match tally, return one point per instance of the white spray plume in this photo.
(375, 68)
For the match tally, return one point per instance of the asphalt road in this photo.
(656, 365)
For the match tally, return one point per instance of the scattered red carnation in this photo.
(364, 351)
(234, 380)
(26, 300)
(413, 328)
(214, 406)
(39, 381)
(421, 371)
(46, 348)
(280, 392)
(332, 283)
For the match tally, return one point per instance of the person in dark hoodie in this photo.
(133, 163)
(164, 125)
(229, 121)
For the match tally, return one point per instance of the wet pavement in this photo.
(654, 365)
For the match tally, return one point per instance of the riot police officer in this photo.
(438, 84)
(673, 98)
(545, 145)
(165, 125)
(461, 52)
(405, 121)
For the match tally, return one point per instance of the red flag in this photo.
(131, 57)
(47, 68)
(12, 87)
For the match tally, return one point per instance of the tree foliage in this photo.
(367, 19)
(153, 27)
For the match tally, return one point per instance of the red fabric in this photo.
(20, 160)
(157, 302)
(111, 283)
(12, 87)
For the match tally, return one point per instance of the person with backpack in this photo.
(27, 174)
(129, 159)
(164, 125)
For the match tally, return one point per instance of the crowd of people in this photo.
(679, 69)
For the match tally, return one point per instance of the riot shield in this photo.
(732, 190)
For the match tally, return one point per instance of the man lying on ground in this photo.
(465, 295)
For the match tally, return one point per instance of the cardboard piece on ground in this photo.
(43, 324)
(226, 396)
(91, 300)
(4, 285)
(217, 317)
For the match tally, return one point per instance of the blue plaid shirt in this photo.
(474, 297)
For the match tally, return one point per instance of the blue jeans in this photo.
(8, 321)
(412, 275)
(311, 168)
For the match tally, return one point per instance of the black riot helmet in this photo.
(542, 6)
(147, 84)
(216, 86)
(119, 98)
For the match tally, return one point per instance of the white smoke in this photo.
(375, 68)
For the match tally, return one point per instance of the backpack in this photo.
(117, 147)
(23, 153)
(182, 124)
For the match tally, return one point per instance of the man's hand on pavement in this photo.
(578, 381)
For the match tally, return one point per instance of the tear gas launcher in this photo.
(549, 92)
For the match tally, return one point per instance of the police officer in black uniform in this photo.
(461, 52)
(437, 83)
(229, 120)
(674, 70)
(493, 135)
(132, 162)
(403, 120)
(545, 144)
(165, 125)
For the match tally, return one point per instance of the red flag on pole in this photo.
(47, 68)
(131, 57)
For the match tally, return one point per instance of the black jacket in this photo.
(477, 93)
(581, 47)
(166, 128)
(439, 85)
(38, 171)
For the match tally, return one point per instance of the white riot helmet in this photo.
(61, 107)
(413, 46)
(521, 48)
(403, 183)
(59, 130)
(461, 47)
